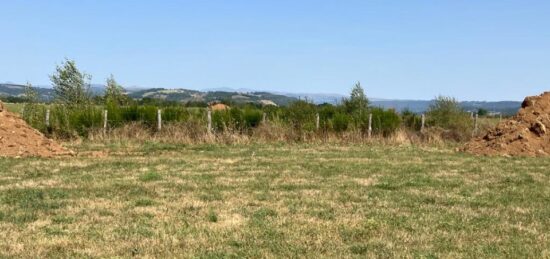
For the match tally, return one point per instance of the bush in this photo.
(252, 117)
(385, 122)
(447, 114)
(219, 120)
(340, 122)
(236, 119)
(326, 115)
(301, 116)
(411, 120)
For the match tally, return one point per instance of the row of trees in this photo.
(72, 91)
(72, 88)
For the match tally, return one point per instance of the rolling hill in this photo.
(250, 96)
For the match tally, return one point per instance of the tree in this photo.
(71, 86)
(31, 95)
(482, 112)
(358, 101)
(114, 93)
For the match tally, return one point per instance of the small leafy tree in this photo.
(114, 93)
(358, 101)
(71, 86)
(31, 95)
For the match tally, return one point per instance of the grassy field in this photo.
(14, 107)
(286, 200)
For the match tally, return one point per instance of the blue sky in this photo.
(472, 50)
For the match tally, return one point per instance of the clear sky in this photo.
(472, 50)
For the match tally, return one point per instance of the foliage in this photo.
(411, 120)
(340, 122)
(31, 95)
(482, 112)
(384, 122)
(357, 102)
(446, 113)
(301, 116)
(114, 93)
(70, 85)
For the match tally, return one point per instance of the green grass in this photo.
(278, 200)
(14, 107)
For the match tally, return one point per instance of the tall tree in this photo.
(114, 93)
(71, 86)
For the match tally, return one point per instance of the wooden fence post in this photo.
(47, 117)
(317, 121)
(209, 117)
(264, 118)
(105, 122)
(370, 125)
(423, 120)
(159, 120)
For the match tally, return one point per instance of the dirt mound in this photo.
(526, 134)
(17, 139)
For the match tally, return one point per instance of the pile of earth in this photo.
(18, 139)
(525, 134)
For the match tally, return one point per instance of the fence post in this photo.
(105, 122)
(264, 118)
(317, 121)
(159, 120)
(423, 120)
(370, 125)
(47, 117)
(500, 117)
(209, 118)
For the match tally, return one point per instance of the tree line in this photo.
(77, 111)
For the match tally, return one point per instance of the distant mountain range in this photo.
(178, 95)
(44, 93)
(185, 95)
(244, 95)
(419, 106)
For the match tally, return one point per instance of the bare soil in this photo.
(18, 139)
(525, 134)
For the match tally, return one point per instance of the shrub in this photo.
(220, 119)
(411, 120)
(301, 116)
(384, 122)
(446, 113)
(326, 115)
(252, 117)
(340, 122)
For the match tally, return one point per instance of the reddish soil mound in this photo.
(526, 134)
(17, 139)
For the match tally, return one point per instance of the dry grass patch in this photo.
(152, 199)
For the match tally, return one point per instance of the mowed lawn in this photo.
(304, 200)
